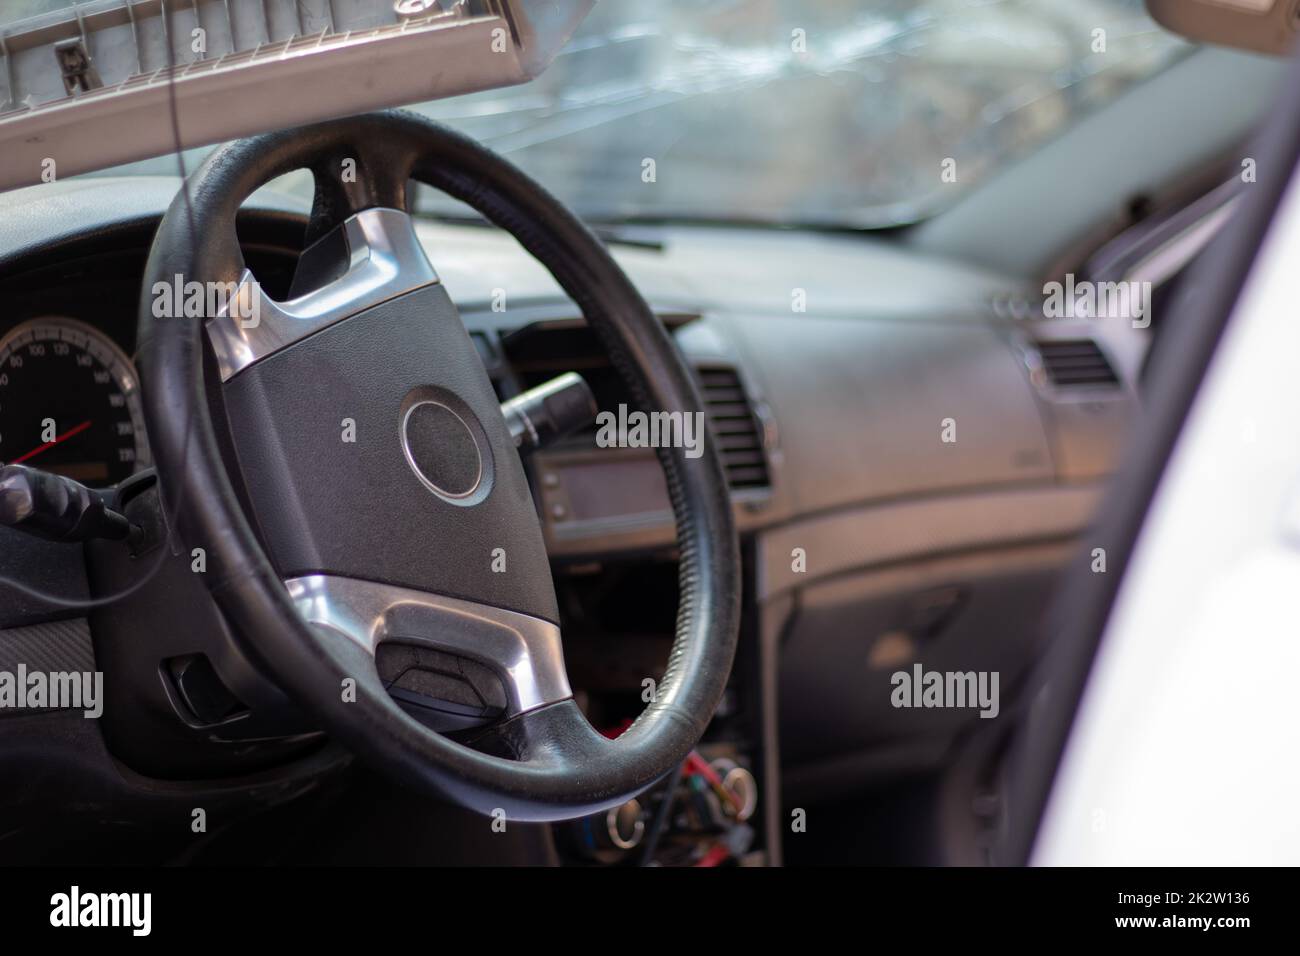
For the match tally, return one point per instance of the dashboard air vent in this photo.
(735, 427)
(1076, 362)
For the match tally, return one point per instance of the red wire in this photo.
(698, 765)
(694, 764)
(715, 855)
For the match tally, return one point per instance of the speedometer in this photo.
(70, 403)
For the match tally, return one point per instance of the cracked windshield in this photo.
(896, 107)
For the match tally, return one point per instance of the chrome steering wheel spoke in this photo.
(524, 652)
(384, 260)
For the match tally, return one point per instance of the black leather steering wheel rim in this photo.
(545, 764)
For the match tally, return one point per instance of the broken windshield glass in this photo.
(830, 113)
(827, 112)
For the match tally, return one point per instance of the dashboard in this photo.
(69, 393)
(834, 370)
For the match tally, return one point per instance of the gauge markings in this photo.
(55, 371)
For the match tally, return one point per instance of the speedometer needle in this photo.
(74, 430)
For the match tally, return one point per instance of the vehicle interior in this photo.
(832, 227)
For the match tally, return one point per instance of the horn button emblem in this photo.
(445, 446)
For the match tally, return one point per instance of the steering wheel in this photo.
(342, 460)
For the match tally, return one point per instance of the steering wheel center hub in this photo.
(442, 449)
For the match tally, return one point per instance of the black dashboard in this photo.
(905, 476)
